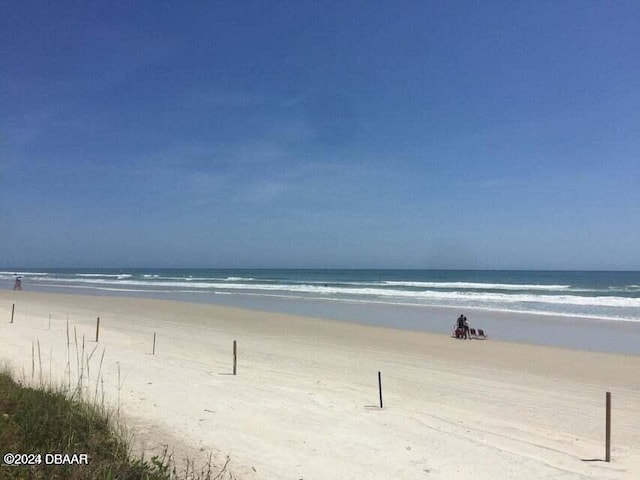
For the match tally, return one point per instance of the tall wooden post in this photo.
(97, 329)
(235, 357)
(154, 344)
(607, 453)
(380, 387)
(13, 309)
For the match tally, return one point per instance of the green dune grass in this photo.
(49, 420)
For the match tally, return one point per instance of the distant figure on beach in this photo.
(465, 326)
(18, 284)
(460, 326)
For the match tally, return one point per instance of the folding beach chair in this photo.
(472, 333)
(481, 334)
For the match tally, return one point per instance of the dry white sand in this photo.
(304, 404)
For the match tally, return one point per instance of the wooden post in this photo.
(97, 329)
(380, 387)
(154, 343)
(235, 357)
(607, 454)
(13, 309)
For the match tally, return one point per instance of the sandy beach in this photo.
(304, 403)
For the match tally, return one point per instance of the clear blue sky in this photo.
(415, 134)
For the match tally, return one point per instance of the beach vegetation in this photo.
(41, 421)
(44, 419)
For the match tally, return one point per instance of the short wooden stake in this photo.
(607, 453)
(235, 357)
(13, 309)
(97, 329)
(154, 343)
(380, 387)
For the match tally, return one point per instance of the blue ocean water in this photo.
(594, 295)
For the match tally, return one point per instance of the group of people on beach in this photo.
(462, 330)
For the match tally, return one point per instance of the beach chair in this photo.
(472, 333)
(481, 334)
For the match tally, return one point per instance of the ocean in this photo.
(414, 299)
(598, 295)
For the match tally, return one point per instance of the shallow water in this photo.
(602, 295)
(613, 336)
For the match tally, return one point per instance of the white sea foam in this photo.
(21, 274)
(103, 275)
(409, 303)
(477, 286)
(448, 297)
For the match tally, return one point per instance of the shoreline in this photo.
(573, 332)
(303, 404)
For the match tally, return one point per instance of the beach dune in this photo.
(305, 401)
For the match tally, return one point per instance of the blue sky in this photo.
(320, 134)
